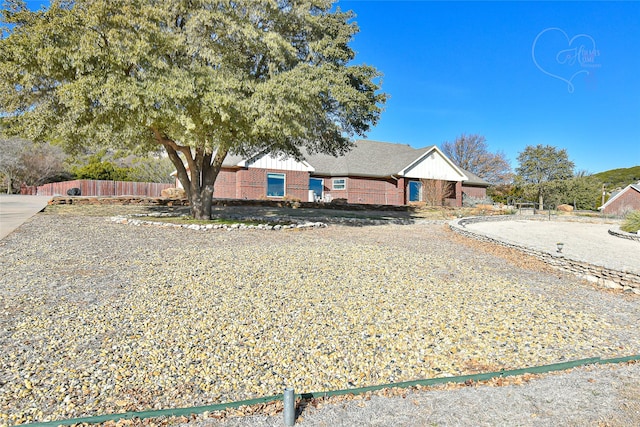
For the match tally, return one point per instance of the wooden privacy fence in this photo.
(104, 188)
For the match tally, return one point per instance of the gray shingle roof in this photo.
(367, 158)
(474, 179)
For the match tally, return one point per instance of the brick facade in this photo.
(628, 200)
(366, 190)
(475, 192)
(225, 185)
(458, 199)
(251, 184)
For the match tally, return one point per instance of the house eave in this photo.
(352, 175)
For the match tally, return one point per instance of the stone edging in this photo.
(207, 227)
(601, 275)
(623, 234)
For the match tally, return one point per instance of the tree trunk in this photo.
(197, 176)
(540, 200)
(200, 205)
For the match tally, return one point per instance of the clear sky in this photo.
(565, 74)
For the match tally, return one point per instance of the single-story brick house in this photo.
(623, 201)
(370, 173)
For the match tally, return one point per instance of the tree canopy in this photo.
(471, 153)
(543, 168)
(200, 78)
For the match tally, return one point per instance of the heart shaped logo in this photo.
(563, 57)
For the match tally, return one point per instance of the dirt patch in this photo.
(514, 256)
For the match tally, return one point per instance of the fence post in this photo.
(289, 407)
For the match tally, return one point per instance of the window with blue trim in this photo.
(275, 185)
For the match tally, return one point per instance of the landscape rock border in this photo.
(617, 232)
(601, 275)
(168, 201)
(131, 220)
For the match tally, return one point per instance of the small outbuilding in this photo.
(623, 201)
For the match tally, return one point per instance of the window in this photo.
(339, 184)
(275, 185)
(317, 186)
(415, 191)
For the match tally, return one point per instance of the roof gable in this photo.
(433, 164)
(630, 187)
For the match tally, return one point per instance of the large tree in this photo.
(543, 168)
(200, 78)
(471, 153)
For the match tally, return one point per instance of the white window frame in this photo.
(420, 188)
(336, 186)
(284, 183)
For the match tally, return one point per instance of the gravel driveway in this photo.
(590, 242)
(100, 317)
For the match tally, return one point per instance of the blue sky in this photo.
(565, 74)
(514, 72)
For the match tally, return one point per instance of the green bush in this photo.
(631, 222)
(104, 170)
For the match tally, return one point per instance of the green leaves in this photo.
(548, 172)
(540, 164)
(243, 76)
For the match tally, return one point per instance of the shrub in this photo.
(104, 170)
(472, 202)
(631, 222)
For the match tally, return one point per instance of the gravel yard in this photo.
(99, 317)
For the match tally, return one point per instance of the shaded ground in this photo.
(249, 212)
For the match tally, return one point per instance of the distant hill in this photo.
(619, 177)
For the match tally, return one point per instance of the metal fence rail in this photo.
(177, 412)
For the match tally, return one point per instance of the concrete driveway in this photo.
(15, 209)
